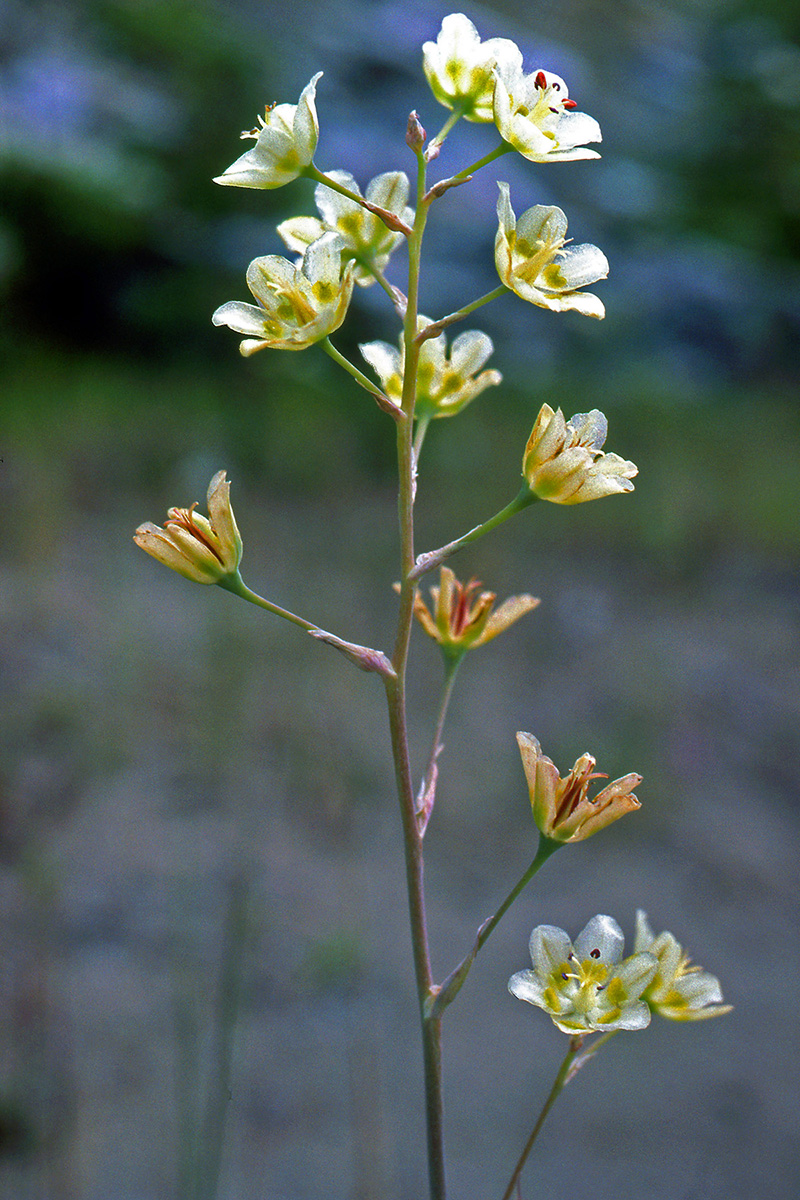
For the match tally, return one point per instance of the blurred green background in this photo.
(199, 856)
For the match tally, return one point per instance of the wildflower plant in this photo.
(588, 987)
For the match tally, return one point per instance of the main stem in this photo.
(398, 724)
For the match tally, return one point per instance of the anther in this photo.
(541, 80)
(569, 103)
(595, 953)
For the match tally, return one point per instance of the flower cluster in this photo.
(589, 987)
(485, 81)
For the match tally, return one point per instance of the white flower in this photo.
(564, 463)
(532, 261)
(286, 138)
(204, 549)
(296, 306)
(678, 990)
(365, 237)
(586, 987)
(444, 385)
(535, 115)
(459, 67)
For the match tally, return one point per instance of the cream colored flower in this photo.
(532, 261)
(296, 306)
(205, 549)
(535, 115)
(462, 616)
(286, 138)
(564, 463)
(364, 236)
(678, 990)
(562, 808)
(444, 385)
(586, 987)
(459, 67)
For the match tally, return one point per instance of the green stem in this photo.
(544, 850)
(361, 379)
(503, 148)
(555, 1091)
(455, 980)
(394, 294)
(425, 803)
(434, 558)
(422, 429)
(390, 219)
(436, 327)
(235, 584)
(437, 142)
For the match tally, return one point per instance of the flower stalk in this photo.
(561, 1079)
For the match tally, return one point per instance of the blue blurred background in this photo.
(199, 855)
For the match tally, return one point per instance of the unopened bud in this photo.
(415, 134)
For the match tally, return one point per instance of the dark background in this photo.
(199, 850)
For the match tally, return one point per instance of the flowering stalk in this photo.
(391, 220)
(436, 327)
(398, 724)
(427, 791)
(452, 985)
(562, 1078)
(380, 398)
(434, 558)
(586, 987)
